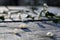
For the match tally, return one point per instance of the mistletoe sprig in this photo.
(51, 16)
(56, 19)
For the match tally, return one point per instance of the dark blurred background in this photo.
(29, 2)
